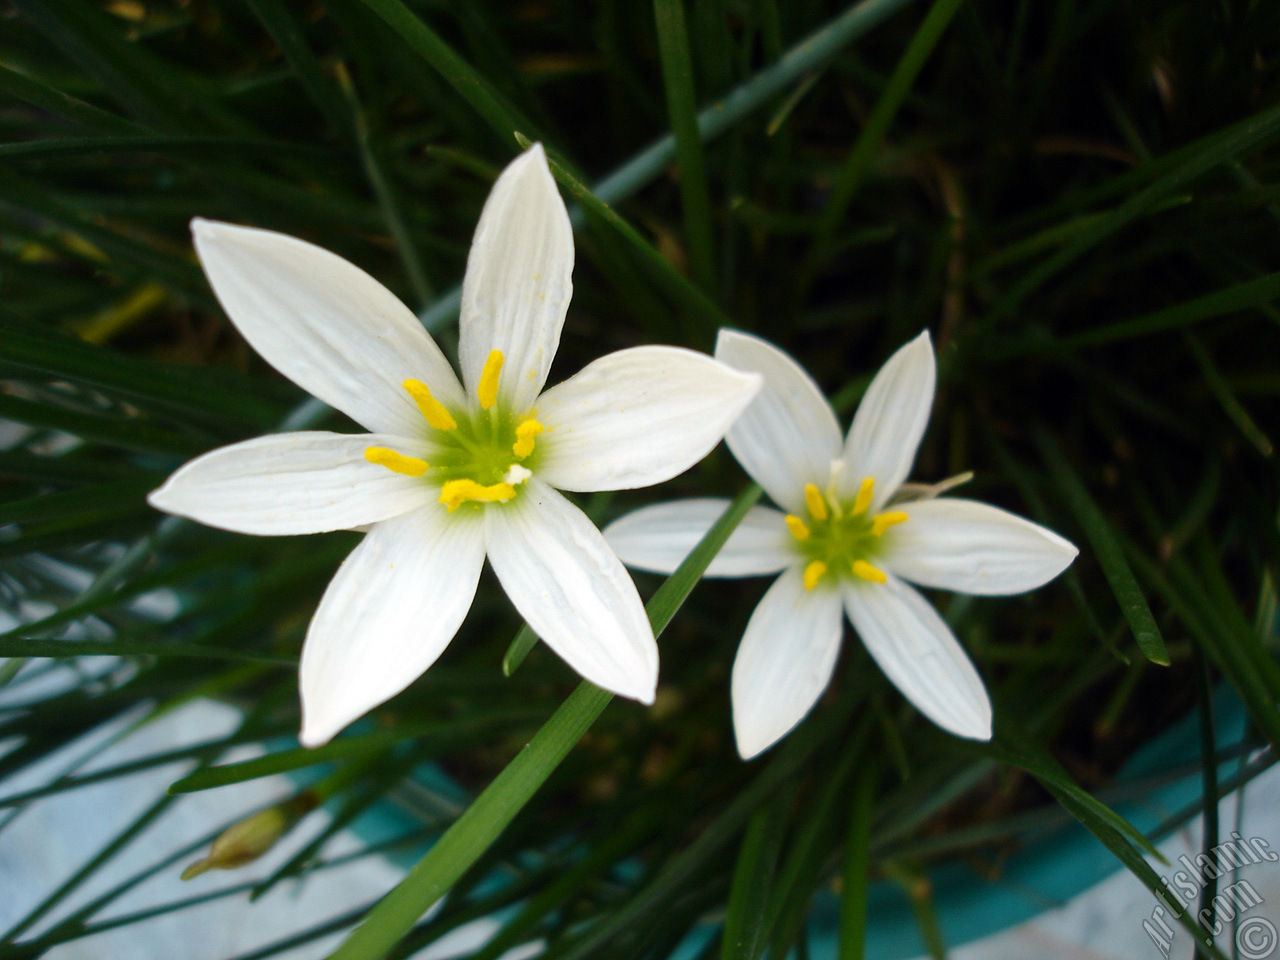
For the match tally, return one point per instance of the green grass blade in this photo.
(677, 76)
(1226, 397)
(29, 647)
(1108, 549)
(857, 865)
(1197, 160)
(133, 433)
(744, 921)
(1013, 746)
(32, 91)
(1228, 300)
(298, 758)
(287, 33)
(104, 499)
(471, 85)
(856, 165)
(386, 192)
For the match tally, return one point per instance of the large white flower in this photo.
(846, 542)
(450, 471)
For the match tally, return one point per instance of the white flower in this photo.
(845, 543)
(450, 471)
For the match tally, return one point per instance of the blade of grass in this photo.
(744, 926)
(352, 746)
(288, 35)
(470, 84)
(1228, 300)
(386, 193)
(28, 647)
(1198, 159)
(1109, 550)
(1226, 398)
(858, 162)
(38, 94)
(857, 865)
(677, 77)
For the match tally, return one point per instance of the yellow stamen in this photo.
(431, 408)
(813, 500)
(524, 438)
(863, 500)
(867, 572)
(456, 492)
(813, 573)
(487, 389)
(396, 462)
(798, 528)
(883, 521)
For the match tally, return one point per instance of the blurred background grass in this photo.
(1080, 199)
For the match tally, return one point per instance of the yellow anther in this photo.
(883, 521)
(431, 408)
(487, 389)
(525, 433)
(813, 573)
(863, 500)
(813, 500)
(456, 492)
(867, 572)
(799, 529)
(396, 462)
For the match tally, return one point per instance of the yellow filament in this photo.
(883, 521)
(456, 492)
(813, 573)
(813, 500)
(487, 389)
(524, 438)
(798, 528)
(431, 408)
(863, 500)
(396, 462)
(867, 572)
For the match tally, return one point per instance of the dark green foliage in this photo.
(1080, 198)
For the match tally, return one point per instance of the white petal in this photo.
(572, 590)
(920, 655)
(325, 324)
(658, 538)
(288, 483)
(971, 547)
(518, 281)
(789, 435)
(785, 661)
(389, 612)
(637, 417)
(890, 422)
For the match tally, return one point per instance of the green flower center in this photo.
(835, 540)
(485, 455)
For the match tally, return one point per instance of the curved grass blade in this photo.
(1108, 549)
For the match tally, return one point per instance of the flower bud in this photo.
(253, 836)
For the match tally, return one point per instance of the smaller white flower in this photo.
(450, 472)
(846, 544)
